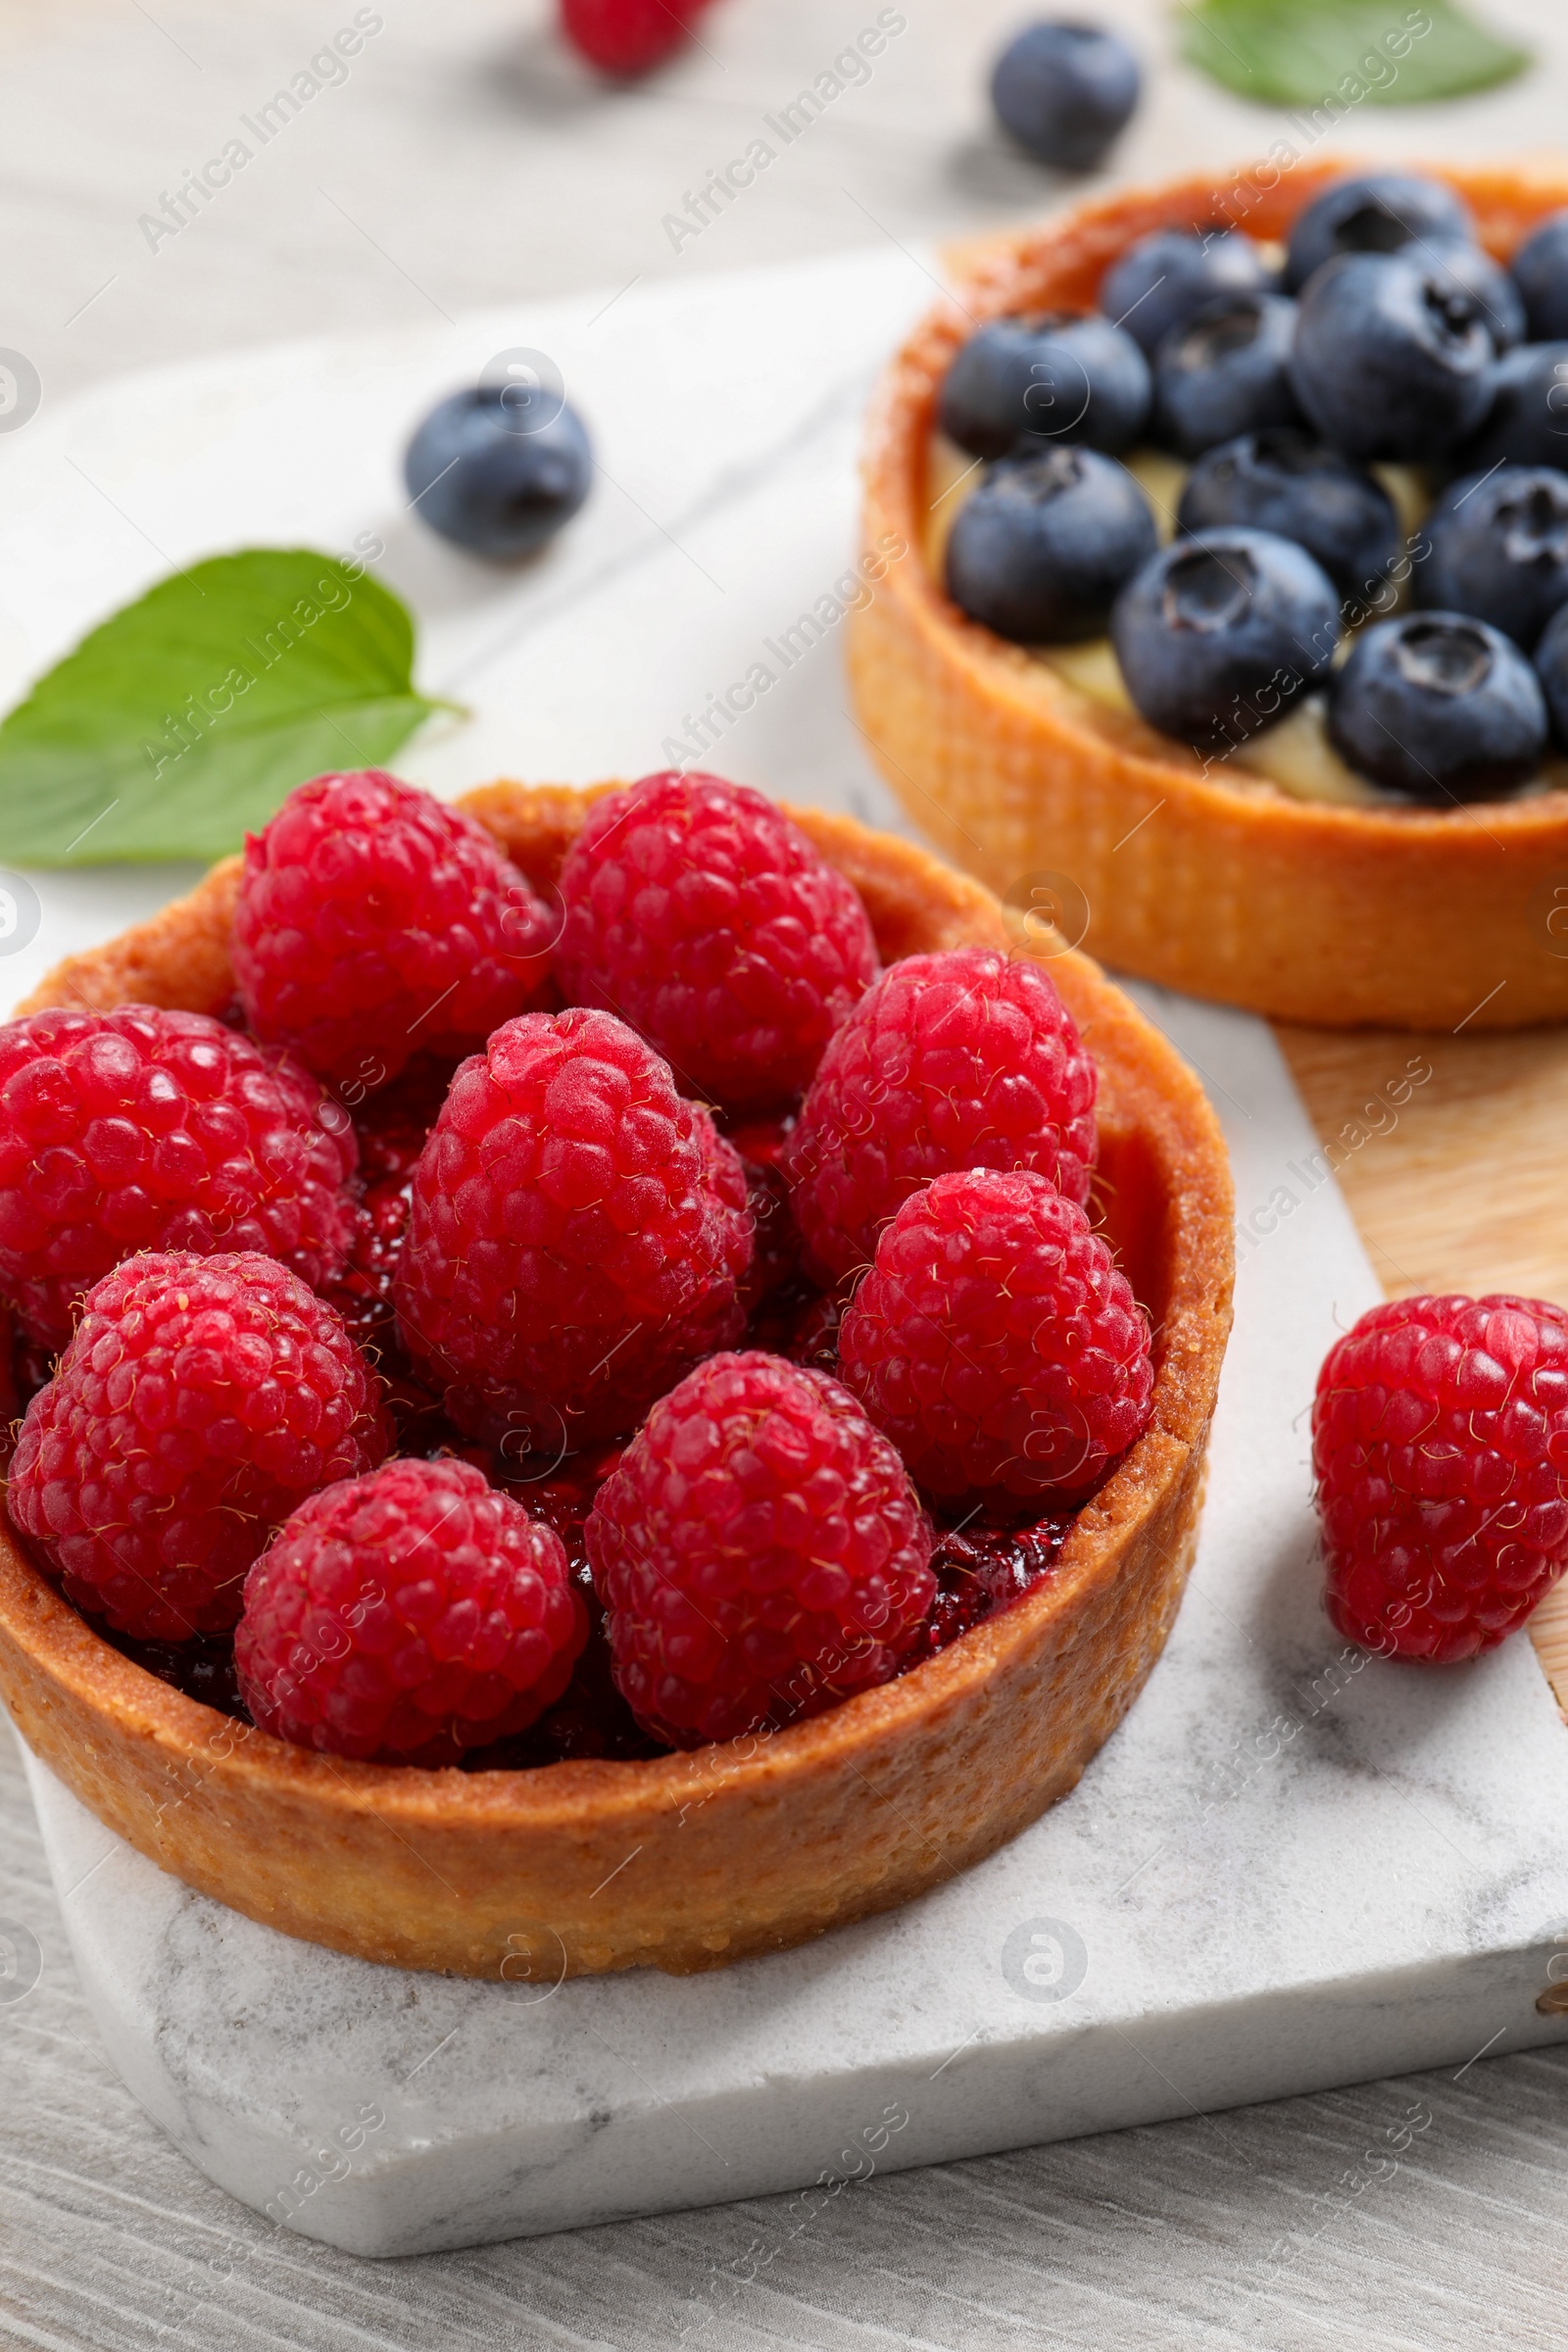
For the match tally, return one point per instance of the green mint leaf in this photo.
(189, 715)
(1341, 54)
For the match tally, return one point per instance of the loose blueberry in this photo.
(1062, 376)
(1552, 668)
(1168, 277)
(1040, 550)
(1437, 708)
(1470, 270)
(1540, 273)
(1216, 635)
(1528, 420)
(1285, 482)
(1225, 373)
(1374, 211)
(482, 477)
(1390, 361)
(1064, 90)
(1500, 550)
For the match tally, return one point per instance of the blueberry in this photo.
(1060, 376)
(1225, 373)
(1389, 362)
(1064, 90)
(1552, 668)
(1215, 635)
(485, 477)
(1040, 550)
(1374, 211)
(1540, 273)
(1500, 550)
(1528, 420)
(1435, 706)
(1285, 482)
(1166, 279)
(1472, 270)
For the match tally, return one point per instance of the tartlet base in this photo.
(1328, 914)
(685, 1862)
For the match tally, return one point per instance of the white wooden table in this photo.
(461, 161)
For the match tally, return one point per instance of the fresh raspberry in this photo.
(627, 37)
(139, 1129)
(759, 1551)
(699, 913)
(968, 1059)
(1439, 1441)
(578, 1236)
(374, 923)
(408, 1616)
(997, 1344)
(200, 1400)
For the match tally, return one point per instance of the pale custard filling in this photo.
(1295, 755)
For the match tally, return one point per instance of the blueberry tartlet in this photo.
(1306, 753)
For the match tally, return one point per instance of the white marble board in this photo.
(1291, 1868)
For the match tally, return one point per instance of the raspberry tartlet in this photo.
(1264, 872)
(830, 1695)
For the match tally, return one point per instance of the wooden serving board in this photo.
(1457, 1186)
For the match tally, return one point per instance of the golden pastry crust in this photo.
(731, 1850)
(1307, 910)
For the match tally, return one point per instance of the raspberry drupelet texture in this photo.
(200, 1400)
(578, 1236)
(374, 923)
(958, 1061)
(704, 916)
(408, 1616)
(1439, 1441)
(998, 1344)
(139, 1129)
(759, 1551)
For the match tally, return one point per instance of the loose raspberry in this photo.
(374, 923)
(627, 37)
(700, 914)
(408, 1616)
(1439, 1440)
(997, 1344)
(759, 1551)
(200, 1400)
(577, 1236)
(139, 1129)
(961, 1060)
